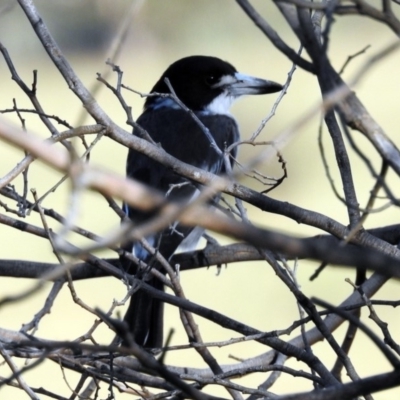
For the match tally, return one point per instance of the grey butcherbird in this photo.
(208, 86)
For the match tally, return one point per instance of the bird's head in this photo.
(206, 84)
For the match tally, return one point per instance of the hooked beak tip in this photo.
(272, 87)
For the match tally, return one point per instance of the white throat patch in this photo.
(220, 105)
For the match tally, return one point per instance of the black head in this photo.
(200, 81)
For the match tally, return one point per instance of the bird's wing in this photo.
(179, 135)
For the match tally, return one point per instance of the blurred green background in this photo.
(160, 33)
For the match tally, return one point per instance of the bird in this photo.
(207, 86)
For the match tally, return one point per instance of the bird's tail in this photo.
(145, 317)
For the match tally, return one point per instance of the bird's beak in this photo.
(243, 84)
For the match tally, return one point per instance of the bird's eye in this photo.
(211, 80)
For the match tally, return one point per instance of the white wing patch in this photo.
(191, 241)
